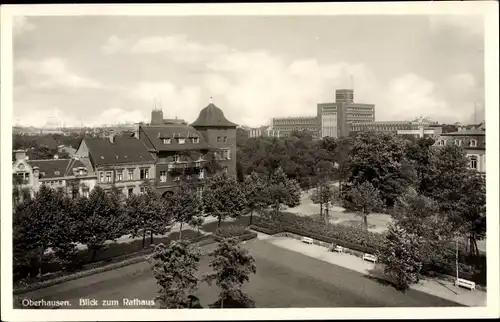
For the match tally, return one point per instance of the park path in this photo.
(437, 287)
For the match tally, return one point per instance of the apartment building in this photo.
(124, 162)
(71, 176)
(182, 152)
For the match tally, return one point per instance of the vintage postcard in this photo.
(296, 161)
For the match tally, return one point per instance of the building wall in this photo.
(125, 184)
(329, 124)
(287, 125)
(211, 135)
(465, 140)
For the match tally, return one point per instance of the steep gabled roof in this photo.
(156, 133)
(55, 168)
(212, 116)
(123, 150)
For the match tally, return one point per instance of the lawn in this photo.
(284, 279)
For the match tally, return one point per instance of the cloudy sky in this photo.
(105, 70)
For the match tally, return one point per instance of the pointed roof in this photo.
(212, 116)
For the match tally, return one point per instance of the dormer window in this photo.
(473, 143)
(167, 141)
(57, 173)
(458, 142)
(196, 140)
(442, 142)
(181, 140)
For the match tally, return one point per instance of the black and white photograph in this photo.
(300, 157)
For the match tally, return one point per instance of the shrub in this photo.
(231, 231)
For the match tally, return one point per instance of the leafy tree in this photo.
(223, 197)
(363, 199)
(325, 195)
(184, 205)
(282, 191)
(174, 268)
(40, 224)
(402, 256)
(232, 267)
(101, 219)
(419, 153)
(380, 159)
(255, 189)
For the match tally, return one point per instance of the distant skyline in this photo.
(107, 69)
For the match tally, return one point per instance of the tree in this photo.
(402, 257)
(380, 159)
(223, 197)
(42, 223)
(174, 268)
(101, 220)
(419, 153)
(184, 205)
(363, 199)
(255, 189)
(232, 267)
(282, 191)
(324, 195)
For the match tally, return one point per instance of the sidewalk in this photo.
(437, 287)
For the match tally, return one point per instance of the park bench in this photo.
(465, 283)
(336, 248)
(370, 258)
(307, 240)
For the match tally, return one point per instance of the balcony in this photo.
(184, 164)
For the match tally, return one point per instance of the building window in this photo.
(225, 169)
(219, 139)
(199, 192)
(108, 177)
(473, 162)
(167, 141)
(119, 175)
(85, 193)
(442, 142)
(181, 140)
(177, 178)
(196, 140)
(226, 154)
(130, 191)
(202, 174)
(143, 190)
(473, 143)
(225, 139)
(101, 177)
(144, 174)
(131, 174)
(458, 142)
(163, 176)
(176, 158)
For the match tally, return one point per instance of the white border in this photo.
(488, 9)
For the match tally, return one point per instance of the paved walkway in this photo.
(440, 288)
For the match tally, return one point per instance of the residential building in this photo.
(286, 125)
(472, 141)
(263, 131)
(71, 176)
(335, 118)
(124, 162)
(181, 151)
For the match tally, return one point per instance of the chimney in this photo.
(20, 154)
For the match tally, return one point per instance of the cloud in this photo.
(21, 24)
(177, 47)
(52, 73)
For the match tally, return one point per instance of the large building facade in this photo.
(335, 119)
(183, 152)
(420, 127)
(263, 131)
(286, 125)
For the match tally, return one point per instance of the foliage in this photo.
(380, 159)
(282, 191)
(174, 268)
(231, 231)
(184, 205)
(419, 152)
(223, 197)
(256, 195)
(402, 256)
(363, 199)
(100, 217)
(232, 267)
(325, 195)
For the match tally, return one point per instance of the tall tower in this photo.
(344, 96)
(156, 116)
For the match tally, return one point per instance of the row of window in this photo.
(107, 177)
(361, 109)
(181, 140)
(472, 143)
(163, 176)
(223, 154)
